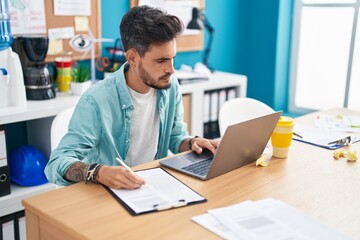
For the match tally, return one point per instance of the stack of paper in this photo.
(190, 76)
(264, 219)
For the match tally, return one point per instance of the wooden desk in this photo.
(310, 180)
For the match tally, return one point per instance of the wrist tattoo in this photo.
(76, 172)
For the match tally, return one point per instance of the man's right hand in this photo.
(118, 177)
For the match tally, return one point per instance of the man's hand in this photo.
(119, 178)
(198, 144)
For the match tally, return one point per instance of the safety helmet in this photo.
(27, 166)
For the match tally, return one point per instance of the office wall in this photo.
(251, 37)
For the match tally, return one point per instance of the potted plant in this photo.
(80, 79)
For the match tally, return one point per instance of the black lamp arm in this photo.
(209, 28)
(206, 23)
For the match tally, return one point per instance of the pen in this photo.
(298, 135)
(122, 163)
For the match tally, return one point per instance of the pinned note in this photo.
(55, 46)
(81, 24)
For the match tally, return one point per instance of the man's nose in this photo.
(170, 68)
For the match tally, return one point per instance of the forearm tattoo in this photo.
(76, 172)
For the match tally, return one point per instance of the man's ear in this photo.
(131, 56)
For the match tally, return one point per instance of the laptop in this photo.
(242, 143)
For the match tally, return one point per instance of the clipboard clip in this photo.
(342, 142)
(166, 206)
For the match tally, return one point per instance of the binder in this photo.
(162, 191)
(7, 230)
(206, 115)
(222, 98)
(4, 167)
(20, 225)
(214, 124)
(231, 93)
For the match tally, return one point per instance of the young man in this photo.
(136, 114)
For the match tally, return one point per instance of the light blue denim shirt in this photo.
(99, 129)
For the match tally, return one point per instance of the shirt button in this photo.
(123, 105)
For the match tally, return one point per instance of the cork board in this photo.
(53, 21)
(185, 43)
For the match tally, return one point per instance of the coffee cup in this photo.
(282, 136)
(63, 71)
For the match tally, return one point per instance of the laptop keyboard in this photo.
(199, 168)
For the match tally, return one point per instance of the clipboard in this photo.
(322, 138)
(162, 191)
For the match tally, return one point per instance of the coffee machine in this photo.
(32, 50)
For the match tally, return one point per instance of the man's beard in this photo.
(151, 82)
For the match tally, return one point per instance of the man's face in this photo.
(156, 66)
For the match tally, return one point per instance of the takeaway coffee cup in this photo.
(63, 71)
(282, 136)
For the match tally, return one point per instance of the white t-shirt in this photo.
(145, 124)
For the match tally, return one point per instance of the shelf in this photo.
(217, 80)
(38, 109)
(12, 203)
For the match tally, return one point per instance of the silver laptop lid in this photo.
(243, 143)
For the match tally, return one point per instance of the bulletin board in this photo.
(185, 43)
(53, 21)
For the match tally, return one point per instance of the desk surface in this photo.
(309, 179)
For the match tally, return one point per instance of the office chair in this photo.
(59, 126)
(239, 110)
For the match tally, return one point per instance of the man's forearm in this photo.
(76, 172)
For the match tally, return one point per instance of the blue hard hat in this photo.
(27, 166)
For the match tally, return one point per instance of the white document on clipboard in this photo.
(339, 123)
(322, 137)
(161, 191)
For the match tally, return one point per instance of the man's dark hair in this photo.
(145, 25)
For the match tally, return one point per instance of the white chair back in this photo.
(59, 126)
(239, 110)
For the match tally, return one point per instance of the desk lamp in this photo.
(199, 21)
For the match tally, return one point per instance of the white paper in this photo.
(72, 7)
(61, 33)
(338, 123)
(27, 17)
(180, 8)
(319, 137)
(184, 75)
(160, 189)
(212, 224)
(266, 219)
